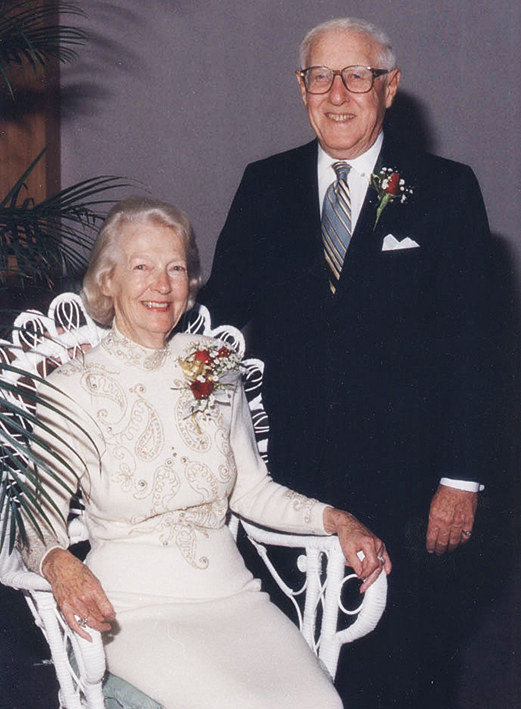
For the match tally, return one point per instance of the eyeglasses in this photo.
(357, 79)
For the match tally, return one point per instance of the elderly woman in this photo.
(162, 462)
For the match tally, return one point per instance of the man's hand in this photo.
(78, 593)
(355, 537)
(451, 518)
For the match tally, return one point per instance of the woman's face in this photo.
(149, 285)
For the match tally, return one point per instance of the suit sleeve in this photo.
(464, 335)
(231, 290)
(256, 496)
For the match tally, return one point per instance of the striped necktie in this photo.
(336, 223)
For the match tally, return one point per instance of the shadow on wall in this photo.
(506, 398)
(491, 677)
(89, 80)
(408, 120)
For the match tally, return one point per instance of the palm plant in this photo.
(30, 35)
(38, 241)
(41, 240)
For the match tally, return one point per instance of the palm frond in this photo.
(25, 454)
(31, 34)
(45, 238)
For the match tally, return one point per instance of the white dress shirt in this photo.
(358, 178)
(358, 181)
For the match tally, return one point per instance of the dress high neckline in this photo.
(124, 349)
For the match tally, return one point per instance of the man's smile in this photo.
(340, 117)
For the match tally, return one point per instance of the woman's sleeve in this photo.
(256, 496)
(66, 450)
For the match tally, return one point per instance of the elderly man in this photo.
(362, 268)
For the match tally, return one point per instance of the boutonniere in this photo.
(388, 186)
(203, 367)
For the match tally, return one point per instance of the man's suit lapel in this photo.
(367, 239)
(305, 181)
(366, 242)
(306, 197)
(363, 247)
(309, 213)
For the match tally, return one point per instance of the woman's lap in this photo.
(238, 652)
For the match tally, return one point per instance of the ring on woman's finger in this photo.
(381, 558)
(466, 533)
(82, 622)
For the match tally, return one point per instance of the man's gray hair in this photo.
(387, 57)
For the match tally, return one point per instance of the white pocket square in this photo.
(391, 243)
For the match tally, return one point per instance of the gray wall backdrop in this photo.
(182, 94)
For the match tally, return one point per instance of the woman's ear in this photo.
(106, 284)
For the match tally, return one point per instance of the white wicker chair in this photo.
(41, 342)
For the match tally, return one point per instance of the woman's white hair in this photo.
(387, 57)
(106, 251)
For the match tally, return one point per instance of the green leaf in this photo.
(33, 34)
(50, 236)
(12, 195)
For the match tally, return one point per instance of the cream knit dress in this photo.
(193, 629)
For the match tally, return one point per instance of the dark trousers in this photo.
(412, 660)
(435, 603)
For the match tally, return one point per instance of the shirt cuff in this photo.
(467, 485)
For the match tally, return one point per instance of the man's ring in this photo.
(82, 622)
(381, 558)
(466, 533)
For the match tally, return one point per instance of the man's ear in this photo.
(391, 86)
(302, 88)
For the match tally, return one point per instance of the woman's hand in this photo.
(354, 537)
(78, 593)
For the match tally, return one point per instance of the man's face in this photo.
(347, 124)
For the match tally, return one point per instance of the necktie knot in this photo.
(342, 170)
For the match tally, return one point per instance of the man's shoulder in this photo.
(302, 153)
(448, 179)
(289, 172)
(444, 165)
(447, 187)
(422, 164)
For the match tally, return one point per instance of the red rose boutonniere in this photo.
(389, 186)
(203, 367)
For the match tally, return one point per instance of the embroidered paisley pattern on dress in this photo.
(190, 425)
(124, 476)
(179, 528)
(222, 441)
(132, 354)
(202, 480)
(167, 472)
(165, 486)
(100, 383)
(150, 441)
(300, 502)
(186, 541)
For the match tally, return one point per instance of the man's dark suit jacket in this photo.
(377, 392)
